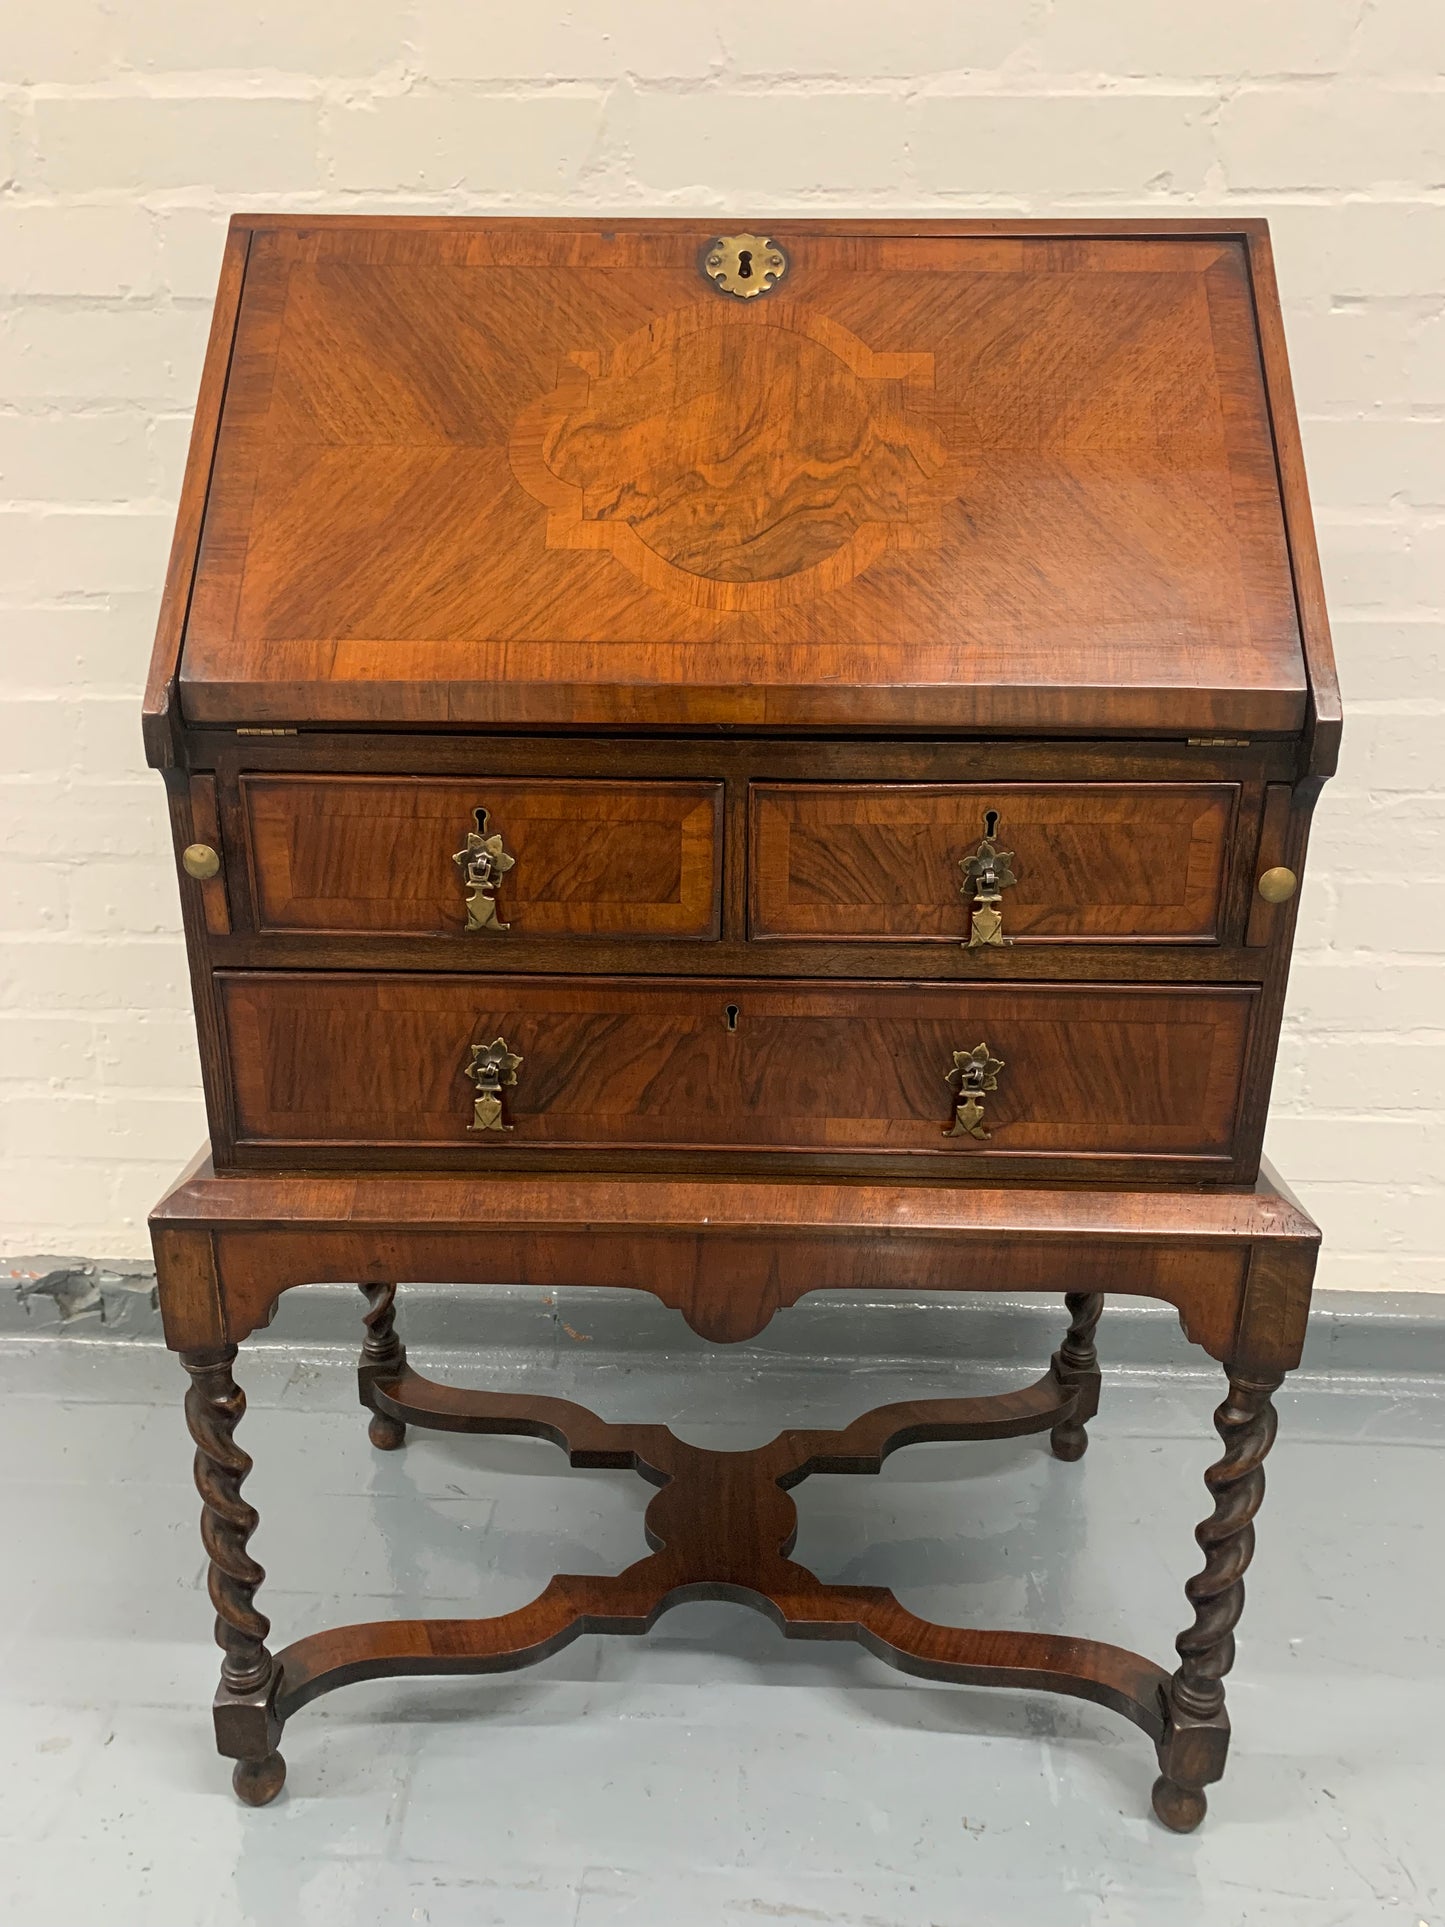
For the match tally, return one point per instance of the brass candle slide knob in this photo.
(200, 861)
(1278, 885)
(974, 1074)
(986, 875)
(483, 862)
(492, 1067)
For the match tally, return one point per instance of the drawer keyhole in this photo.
(990, 824)
(730, 1012)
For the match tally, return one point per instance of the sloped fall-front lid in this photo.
(536, 474)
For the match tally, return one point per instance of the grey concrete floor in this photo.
(713, 1773)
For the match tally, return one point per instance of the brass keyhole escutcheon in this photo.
(200, 861)
(744, 265)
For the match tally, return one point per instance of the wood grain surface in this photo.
(206, 828)
(722, 1526)
(1108, 862)
(332, 1059)
(729, 1253)
(543, 472)
(162, 724)
(1323, 720)
(592, 859)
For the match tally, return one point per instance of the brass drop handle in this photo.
(492, 1068)
(986, 875)
(974, 1074)
(483, 861)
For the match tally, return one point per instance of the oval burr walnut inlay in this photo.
(735, 460)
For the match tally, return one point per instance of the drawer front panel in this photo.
(338, 1059)
(1094, 863)
(376, 855)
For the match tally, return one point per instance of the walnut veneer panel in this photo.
(653, 1063)
(1096, 862)
(374, 854)
(544, 473)
(727, 1252)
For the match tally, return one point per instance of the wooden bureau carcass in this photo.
(820, 708)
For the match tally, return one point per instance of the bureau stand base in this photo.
(1236, 1266)
(721, 1527)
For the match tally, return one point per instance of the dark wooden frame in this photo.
(1237, 1266)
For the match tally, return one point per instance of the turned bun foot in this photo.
(257, 1782)
(1181, 1808)
(386, 1434)
(1069, 1441)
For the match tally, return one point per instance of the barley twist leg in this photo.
(1076, 1366)
(215, 1405)
(1193, 1749)
(382, 1356)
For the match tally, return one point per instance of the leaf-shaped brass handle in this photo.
(492, 1067)
(483, 861)
(986, 875)
(974, 1074)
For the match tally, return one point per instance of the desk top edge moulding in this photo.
(735, 758)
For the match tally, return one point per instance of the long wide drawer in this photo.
(1088, 1070)
(1092, 862)
(571, 859)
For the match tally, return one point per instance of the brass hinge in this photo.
(265, 732)
(1219, 742)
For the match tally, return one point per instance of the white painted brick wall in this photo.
(128, 132)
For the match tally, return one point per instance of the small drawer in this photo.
(426, 856)
(499, 1062)
(1086, 863)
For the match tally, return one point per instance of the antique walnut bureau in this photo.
(729, 760)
